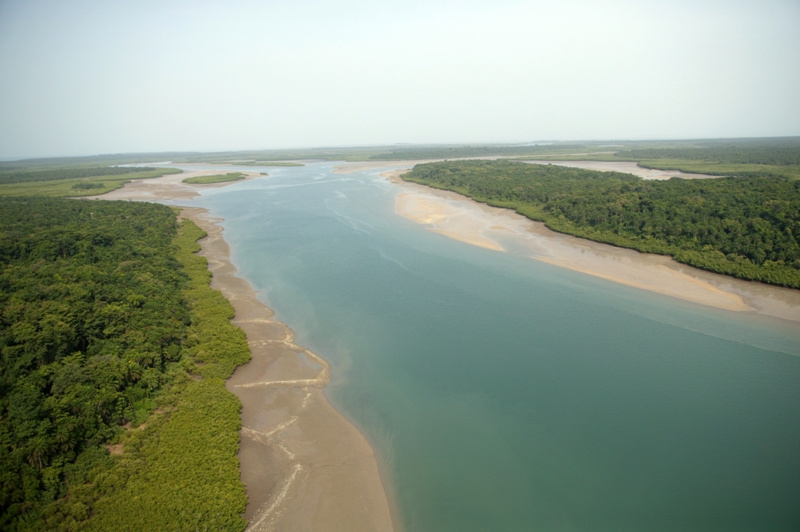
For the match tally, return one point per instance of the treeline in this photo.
(771, 155)
(100, 327)
(456, 152)
(746, 227)
(29, 176)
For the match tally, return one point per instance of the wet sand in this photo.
(305, 466)
(463, 219)
(448, 218)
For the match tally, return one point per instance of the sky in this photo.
(94, 77)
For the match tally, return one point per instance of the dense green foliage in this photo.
(179, 472)
(87, 186)
(23, 176)
(216, 345)
(217, 178)
(772, 155)
(92, 315)
(745, 227)
(103, 321)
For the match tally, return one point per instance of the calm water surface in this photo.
(506, 394)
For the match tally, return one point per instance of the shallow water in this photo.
(503, 393)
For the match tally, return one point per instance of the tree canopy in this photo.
(104, 320)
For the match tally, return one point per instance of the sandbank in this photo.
(167, 187)
(449, 219)
(464, 219)
(627, 167)
(305, 466)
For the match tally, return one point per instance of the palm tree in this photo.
(38, 448)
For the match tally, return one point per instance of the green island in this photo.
(217, 178)
(746, 226)
(64, 179)
(115, 352)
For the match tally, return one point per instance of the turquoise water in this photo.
(506, 394)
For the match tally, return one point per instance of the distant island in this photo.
(217, 178)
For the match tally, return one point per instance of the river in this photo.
(503, 393)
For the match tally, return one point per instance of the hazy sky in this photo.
(85, 77)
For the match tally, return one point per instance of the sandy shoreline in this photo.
(305, 466)
(461, 218)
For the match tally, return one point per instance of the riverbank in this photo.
(305, 465)
(464, 219)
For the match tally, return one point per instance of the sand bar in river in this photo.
(461, 218)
